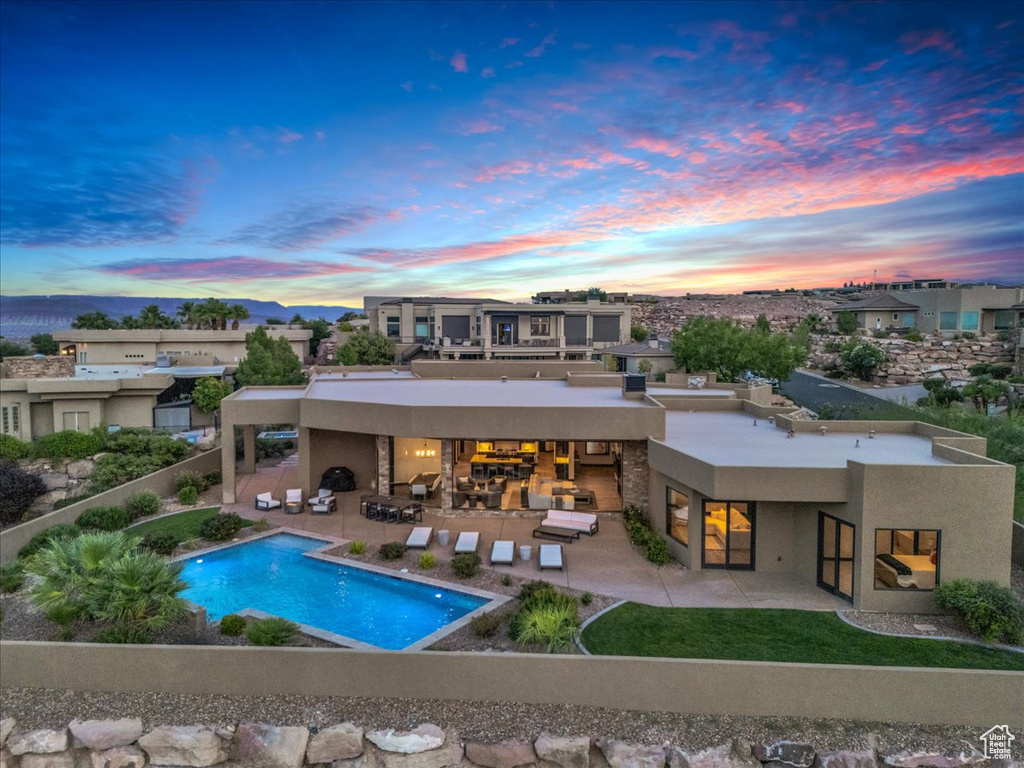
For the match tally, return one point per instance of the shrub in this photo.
(103, 519)
(68, 444)
(220, 527)
(466, 565)
(261, 525)
(357, 547)
(657, 550)
(536, 592)
(392, 550)
(117, 636)
(271, 631)
(43, 538)
(143, 504)
(190, 480)
(878, 333)
(71, 500)
(188, 496)
(914, 335)
(506, 580)
(861, 358)
(11, 448)
(846, 322)
(991, 611)
(12, 576)
(586, 598)
(213, 478)
(485, 625)
(232, 625)
(161, 542)
(18, 489)
(427, 561)
(553, 626)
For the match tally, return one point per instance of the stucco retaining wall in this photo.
(161, 482)
(1017, 550)
(899, 694)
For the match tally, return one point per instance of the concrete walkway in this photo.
(604, 564)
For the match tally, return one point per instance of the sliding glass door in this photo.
(835, 556)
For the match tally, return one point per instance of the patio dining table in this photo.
(393, 509)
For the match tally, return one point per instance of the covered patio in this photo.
(604, 564)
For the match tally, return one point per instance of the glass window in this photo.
(677, 512)
(15, 419)
(947, 321)
(76, 421)
(422, 329)
(1004, 320)
(7, 420)
(394, 325)
(540, 325)
(906, 559)
(969, 321)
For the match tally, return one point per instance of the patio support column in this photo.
(383, 465)
(306, 464)
(227, 463)
(249, 449)
(447, 465)
(635, 473)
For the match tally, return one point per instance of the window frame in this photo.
(669, 490)
(915, 531)
(945, 315)
(393, 320)
(995, 320)
(545, 323)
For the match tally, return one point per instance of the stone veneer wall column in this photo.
(635, 473)
(447, 466)
(384, 465)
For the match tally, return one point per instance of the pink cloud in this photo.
(671, 52)
(458, 62)
(909, 130)
(549, 39)
(482, 125)
(508, 42)
(513, 64)
(505, 170)
(792, 106)
(914, 42)
(287, 136)
(487, 72)
(875, 66)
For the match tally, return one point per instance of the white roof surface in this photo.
(104, 372)
(270, 393)
(366, 375)
(493, 393)
(677, 391)
(731, 439)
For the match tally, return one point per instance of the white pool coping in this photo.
(494, 600)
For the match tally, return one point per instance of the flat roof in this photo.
(190, 371)
(686, 392)
(366, 375)
(731, 439)
(530, 393)
(112, 371)
(269, 393)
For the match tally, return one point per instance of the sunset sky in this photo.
(314, 153)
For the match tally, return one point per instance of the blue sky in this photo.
(319, 152)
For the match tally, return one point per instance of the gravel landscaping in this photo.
(490, 721)
(904, 624)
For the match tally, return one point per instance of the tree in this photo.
(296, 319)
(772, 355)
(237, 313)
(722, 346)
(644, 366)
(187, 314)
(18, 489)
(366, 349)
(348, 317)
(94, 321)
(639, 333)
(13, 349)
(43, 344)
(846, 322)
(268, 362)
(861, 358)
(984, 390)
(321, 330)
(152, 316)
(275, 321)
(208, 393)
(814, 322)
(761, 325)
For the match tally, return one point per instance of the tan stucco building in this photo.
(961, 309)
(877, 513)
(485, 329)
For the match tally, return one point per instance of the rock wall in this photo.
(910, 362)
(55, 366)
(127, 743)
(63, 479)
(783, 312)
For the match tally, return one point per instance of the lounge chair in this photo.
(492, 499)
(551, 556)
(419, 538)
(468, 541)
(503, 553)
(266, 502)
(323, 503)
(293, 501)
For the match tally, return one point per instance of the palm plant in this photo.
(139, 594)
(187, 313)
(152, 316)
(99, 321)
(237, 313)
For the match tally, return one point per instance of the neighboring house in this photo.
(485, 329)
(613, 297)
(627, 358)
(1019, 356)
(169, 347)
(914, 285)
(877, 513)
(972, 309)
(879, 312)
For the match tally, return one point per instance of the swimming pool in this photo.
(272, 574)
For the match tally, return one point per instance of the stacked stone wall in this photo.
(55, 366)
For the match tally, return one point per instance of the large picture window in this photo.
(677, 516)
(947, 321)
(540, 325)
(906, 558)
(394, 327)
(969, 321)
(1004, 320)
(422, 329)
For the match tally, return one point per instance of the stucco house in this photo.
(876, 513)
(880, 312)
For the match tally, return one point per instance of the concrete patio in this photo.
(604, 564)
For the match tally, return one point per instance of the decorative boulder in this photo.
(187, 745)
(449, 755)
(847, 758)
(788, 752)
(40, 741)
(735, 755)
(119, 757)
(105, 734)
(53, 760)
(339, 742)
(422, 738)
(621, 754)
(6, 726)
(267, 746)
(564, 751)
(500, 754)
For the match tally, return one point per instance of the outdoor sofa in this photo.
(574, 521)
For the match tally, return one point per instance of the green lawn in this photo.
(184, 524)
(756, 634)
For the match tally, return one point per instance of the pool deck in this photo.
(605, 563)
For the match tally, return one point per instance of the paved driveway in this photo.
(815, 392)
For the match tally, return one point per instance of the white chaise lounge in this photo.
(551, 556)
(503, 553)
(266, 502)
(468, 541)
(575, 521)
(420, 537)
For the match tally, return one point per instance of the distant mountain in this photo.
(25, 316)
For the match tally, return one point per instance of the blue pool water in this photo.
(271, 574)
